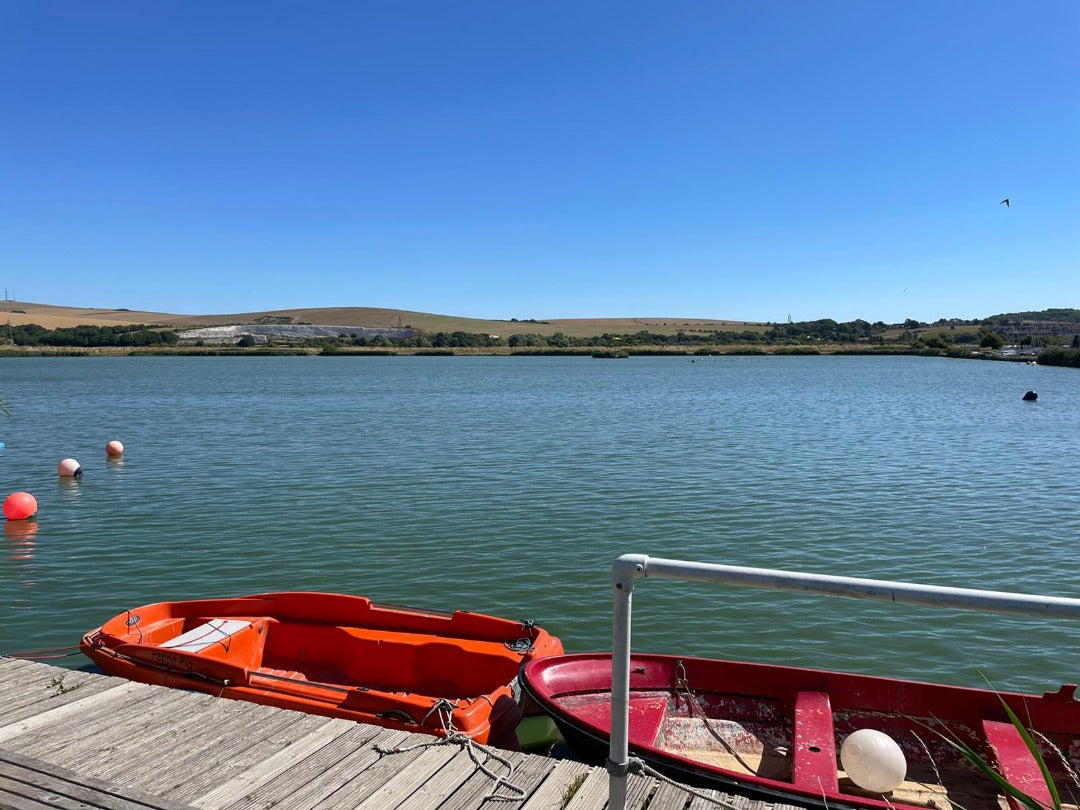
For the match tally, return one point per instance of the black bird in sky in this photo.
(1006, 201)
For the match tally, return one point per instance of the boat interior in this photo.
(372, 659)
(799, 743)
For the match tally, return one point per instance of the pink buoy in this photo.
(114, 448)
(20, 506)
(69, 468)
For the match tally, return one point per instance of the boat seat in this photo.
(646, 716)
(1016, 762)
(215, 631)
(815, 743)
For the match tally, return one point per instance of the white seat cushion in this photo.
(201, 637)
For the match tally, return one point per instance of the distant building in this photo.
(265, 332)
(1033, 334)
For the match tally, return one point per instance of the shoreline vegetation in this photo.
(1050, 337)
(1053, 356)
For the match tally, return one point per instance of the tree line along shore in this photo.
(814, 338)
(1020, 336)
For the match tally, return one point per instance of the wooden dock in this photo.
(72, 739)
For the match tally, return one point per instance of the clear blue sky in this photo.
(695, 158)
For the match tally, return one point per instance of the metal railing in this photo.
(630, 567)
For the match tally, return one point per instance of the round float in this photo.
(20, 506)
(114, 449)
(873, 760)
(69, 468)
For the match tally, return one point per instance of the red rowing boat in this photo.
(334, 655)
(785, 734)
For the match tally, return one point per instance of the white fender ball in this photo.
(114, 448)
(69, 468)
(873, 760)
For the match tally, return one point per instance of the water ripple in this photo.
(509, 485)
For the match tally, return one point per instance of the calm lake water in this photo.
(509, 485)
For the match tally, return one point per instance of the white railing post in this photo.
(631, 566)
(624, 571)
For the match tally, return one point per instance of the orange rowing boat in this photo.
(335, 655)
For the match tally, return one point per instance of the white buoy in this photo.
(873, 760)
(114, 448)
(69, 468)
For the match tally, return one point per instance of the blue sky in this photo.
(689, 158)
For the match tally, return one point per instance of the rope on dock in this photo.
(635, 765)
(455, 737)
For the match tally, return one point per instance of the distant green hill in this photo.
(1055, 315)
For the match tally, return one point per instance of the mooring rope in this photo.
(454, 737)
(46, 654)
(695, 710)
(635, 765)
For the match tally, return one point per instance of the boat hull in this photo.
(334, 655)
(775, 733)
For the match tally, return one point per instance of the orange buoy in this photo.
(20, 506)
(69, 468)
(114, 448)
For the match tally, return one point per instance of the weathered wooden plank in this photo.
(317, 775)
(30, 698)
(24, 685)
(231, 755)
(732, 801)
(551, 793)
(36, 781)
(639, 790)
(102, 741)
(140, 760)
(23, 671)
(13, 798)
(66, 710)
(209, 746)
(529, 773)
(250, 751)
(18, 683)
(128, 752)
(593, 792)
(669, 797)
(14, 670)
(405, 782)
(698, 803)
(355, 790)
(68, 727)
(231, 789)
(22, 702)
(461, 769)
(12, 801)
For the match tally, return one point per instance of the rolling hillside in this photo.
(53, 317)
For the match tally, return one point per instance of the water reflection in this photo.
(19, 541)
(115, 466)
(69, 489)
